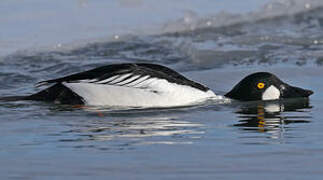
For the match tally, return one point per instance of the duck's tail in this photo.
(14, 98)
(56, 93)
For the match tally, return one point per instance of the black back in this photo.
(143, 69)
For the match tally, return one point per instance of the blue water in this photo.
(267, 140)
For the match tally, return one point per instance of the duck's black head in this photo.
(265, 86)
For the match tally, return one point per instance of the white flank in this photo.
(271, 93)
(156, 93)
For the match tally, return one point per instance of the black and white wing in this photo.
(127, 75)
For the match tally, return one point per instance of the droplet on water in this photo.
(187, 20)
(307, 5)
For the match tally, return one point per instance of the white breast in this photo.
(151, 93)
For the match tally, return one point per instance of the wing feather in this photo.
(138, 81)
(145, 83)
(129, 80)
(104, 81)
(129, 75)
(119, 79)
(88, 80)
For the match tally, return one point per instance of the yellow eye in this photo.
(260, 85)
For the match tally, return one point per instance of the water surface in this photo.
(279, 139)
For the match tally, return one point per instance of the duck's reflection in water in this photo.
(133, 130)
(273, 117)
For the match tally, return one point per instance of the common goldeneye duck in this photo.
(125, 85)
(265, 86)
(152, 85)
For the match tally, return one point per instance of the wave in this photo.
(282, 31)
